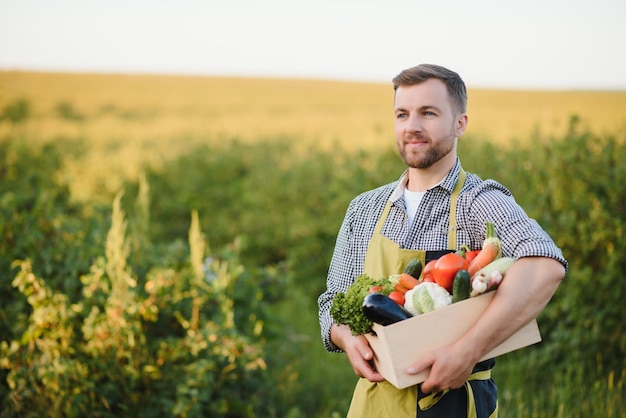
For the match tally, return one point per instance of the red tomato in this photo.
(446, 267)
(397, 297)
(469, 256)
(376, 289)
(427, 272)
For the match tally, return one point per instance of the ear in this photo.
(460, 124)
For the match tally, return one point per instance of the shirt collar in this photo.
(447, 183)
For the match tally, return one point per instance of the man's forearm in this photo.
(527, 288)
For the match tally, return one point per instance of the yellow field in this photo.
(135, 118)
(354, 114)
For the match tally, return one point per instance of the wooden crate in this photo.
(399, 345)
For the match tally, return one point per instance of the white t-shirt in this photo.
(412, 200)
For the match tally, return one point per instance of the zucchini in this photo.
(461, 286)
(381, 309)
(500, 264)
(414, 268)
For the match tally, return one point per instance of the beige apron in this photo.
(383, 258)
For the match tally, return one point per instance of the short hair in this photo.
(418, 74)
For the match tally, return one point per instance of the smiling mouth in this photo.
(416, 140)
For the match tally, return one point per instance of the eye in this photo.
(429, 113)
(401, 115)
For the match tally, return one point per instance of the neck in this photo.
(422, 179)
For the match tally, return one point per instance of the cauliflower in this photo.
(426, 297)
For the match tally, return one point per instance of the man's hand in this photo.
(358, 351)
(449, 369)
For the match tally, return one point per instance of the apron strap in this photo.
(429, 401)
(382, 218)
(453, 199)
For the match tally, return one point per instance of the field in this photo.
(133, 119)
(172, 235)
(148, 109)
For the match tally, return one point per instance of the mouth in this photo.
(416, 143)
(416, 140)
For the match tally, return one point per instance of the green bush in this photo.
(185, 340)
(16, 112)
(39, 221)
(67, 111)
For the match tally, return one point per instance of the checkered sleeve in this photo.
(341, 274)
(349, 255)
(521, 235)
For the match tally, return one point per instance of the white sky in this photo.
(556, 44)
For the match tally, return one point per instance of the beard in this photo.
(430, 156)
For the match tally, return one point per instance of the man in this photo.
(412, 217)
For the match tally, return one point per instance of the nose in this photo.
(413, 124)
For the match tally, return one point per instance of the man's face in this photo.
(426, 125)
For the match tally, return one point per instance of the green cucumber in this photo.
(461, 286)
(414, 268)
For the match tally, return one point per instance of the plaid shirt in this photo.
(480, 201)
